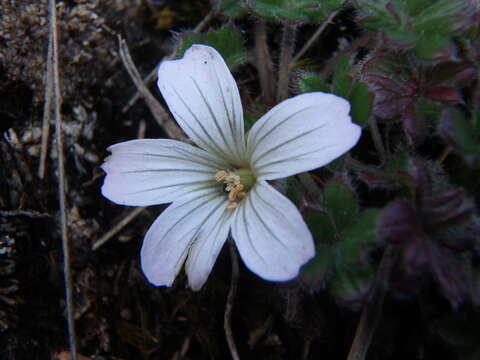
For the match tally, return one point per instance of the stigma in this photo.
(236, 183)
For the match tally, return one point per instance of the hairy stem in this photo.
(288, 44)
(264, 64)
(377, 139)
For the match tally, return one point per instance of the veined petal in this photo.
(156, 171)
(300, 134)
(270, 234)
(170, 237)
(207, 245)
(203, 97)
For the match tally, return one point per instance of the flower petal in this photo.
(270, 234)
(168, 240)
(203, 97)
(207, 245)
(301, 134)
(156, 171)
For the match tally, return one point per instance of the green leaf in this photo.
(232, 8)
(342, 81)
(315, 272)
(359, 238)
(249, 120)
(320, 226)
(228, 41)
(295, 10)
(464, 133)
(351, 286)
(423, 25)
(340, 202)
(311, 82)
(438, 17)
(293, 190)
(361, 101)
(414, 6)
(429, 46)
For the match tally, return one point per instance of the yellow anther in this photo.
(236, 184)
(232, 205)
(232, 179)
(233, 194)
(220, 175)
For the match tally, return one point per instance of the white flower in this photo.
(220, 185)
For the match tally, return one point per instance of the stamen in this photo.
(220, 175)
(237, 183)
(235, 191)
(241, 195)
(232, 205)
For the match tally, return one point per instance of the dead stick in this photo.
(159, 113)
(147, 80)
(227, 324)
(57, 100)
(47, 112)
(117, 228)
(314, 37)
(29, 213)
(372, 312)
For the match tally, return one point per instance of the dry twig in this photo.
(47, 111)
(117, 228)
(28, 213)
(147, 80)
(372, 311)
(227, 324)
(314, 37)
(157, 110)
(53, 85)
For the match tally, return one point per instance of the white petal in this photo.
(203, 97)
(270, 234)
(207, 245)
(168, 240)
(156, 171)
(301, 134)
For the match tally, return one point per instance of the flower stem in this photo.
(227, 325)
(288, 43)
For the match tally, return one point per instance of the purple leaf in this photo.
(398, 223)
(449, 272)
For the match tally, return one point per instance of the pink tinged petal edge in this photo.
(156, 171)
(300, 134)
(270, 234)
(172, 235)
(207, 245)
(203, 97)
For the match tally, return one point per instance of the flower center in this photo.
(237, 183)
